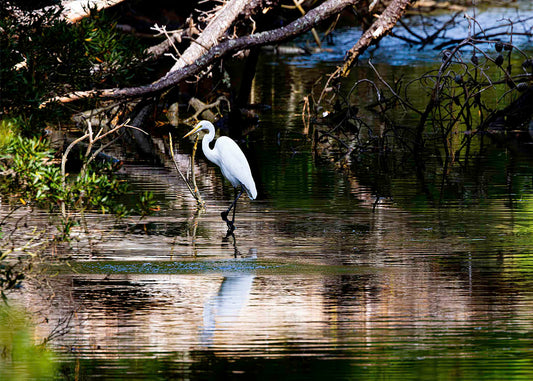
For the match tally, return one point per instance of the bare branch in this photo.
(216, 28)
(297, 27)
(386, 21)
(76, 10)
(194, 192)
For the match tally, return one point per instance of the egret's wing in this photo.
(234, 165)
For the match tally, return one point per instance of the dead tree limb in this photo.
(251, 8)
(76, 10)
(212, 33)
(297, 27)
(385, 22)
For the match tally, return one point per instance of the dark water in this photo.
(433, 279)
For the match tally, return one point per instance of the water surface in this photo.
(339, 274)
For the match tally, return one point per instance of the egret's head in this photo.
(202, 125)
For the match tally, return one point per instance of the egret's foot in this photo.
(231, 229)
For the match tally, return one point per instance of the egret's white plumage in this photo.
(231, 160)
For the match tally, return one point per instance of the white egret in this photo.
(232, 162)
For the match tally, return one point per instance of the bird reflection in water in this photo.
(223, 309)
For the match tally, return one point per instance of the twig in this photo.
(203, 107)
(92, 140)
(402, 101)
(193, 155)
(298, 5)
(195, 193)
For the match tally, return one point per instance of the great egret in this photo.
(232, 162)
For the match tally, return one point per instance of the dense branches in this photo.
(228, 46)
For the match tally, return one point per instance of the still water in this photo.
(331, 274)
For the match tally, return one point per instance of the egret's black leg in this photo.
(235, 205)
(224, 214)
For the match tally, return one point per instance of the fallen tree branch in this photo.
(297, 27)
(375, 32)
(76, 10)
(212, 33)
(386, 21)
(201, 107)
(251, 8)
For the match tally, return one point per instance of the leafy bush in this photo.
(44, 56)
(30, 172)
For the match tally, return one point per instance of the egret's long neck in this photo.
(208, 152)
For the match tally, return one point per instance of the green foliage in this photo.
(98, 189)
(8, 130)
(47, 57)
(43, 56)
(113, 55)
(30, 174)
(20, 358)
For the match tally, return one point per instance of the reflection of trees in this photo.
(385, 288)
(433, 122)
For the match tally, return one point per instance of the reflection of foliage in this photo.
(10, 276)
(20, 358)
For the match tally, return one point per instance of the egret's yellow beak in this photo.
(195, 129)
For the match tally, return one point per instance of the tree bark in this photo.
(297, 27)
(386, 21)
(215, 30)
